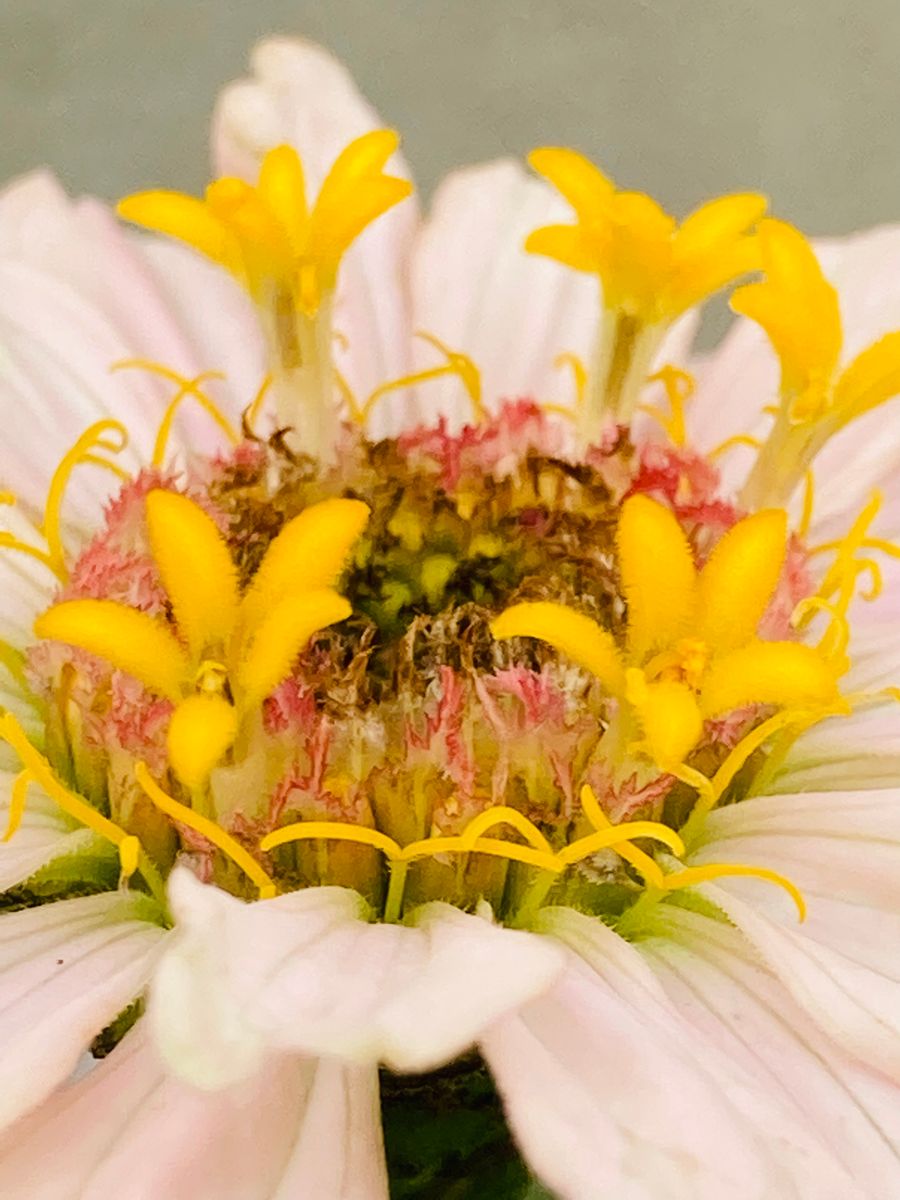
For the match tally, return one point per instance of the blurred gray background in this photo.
(683, 98)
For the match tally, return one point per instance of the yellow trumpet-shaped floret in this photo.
(651, 268)
(287, 253)
(798, 309)
(691, 649)
(227, 651)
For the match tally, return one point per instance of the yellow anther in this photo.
(456, 364)
(213, 833)
(186, 387)
(38, 770)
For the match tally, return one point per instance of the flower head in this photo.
(348, 766)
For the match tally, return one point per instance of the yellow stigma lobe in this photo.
(651, 269)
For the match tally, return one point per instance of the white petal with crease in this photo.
(306, 972)
(66, 970)
(298, 1128)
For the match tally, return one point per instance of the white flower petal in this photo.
(44, 835)
(843, 851)
(475, 287)
(714, 978)
(298, 94)
(305, 972)
(609, 1097)
(298, 1128)
(66, 970)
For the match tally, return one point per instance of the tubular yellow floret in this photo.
(798, 309)
(651, 270)
(209, 829)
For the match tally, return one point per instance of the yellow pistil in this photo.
(209, 829)
(651, 269)
(456, 363)
(186, 387)
(36, 769)
(799, 311)
(287, 254)
(231, 649)
(691, 652)
(538, 853)
(661, 883)
(679, 387)
(109, 436)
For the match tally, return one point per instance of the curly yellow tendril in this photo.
(457, 364)
(679, 387)
(537, 853)
(107, 435)
(688, 876)
(132, 856)
(213, 833)
(186, 387)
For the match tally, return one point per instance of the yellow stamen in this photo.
(692, 876)
(580, 378)
(131, 855)
(97, 436)
(502, 814)
(679, 387)
(457, 363)
(209, 829)
(809, 494)
(338, 830)
(17, 798)
(739, 439)
(186, 387)
(256, 404)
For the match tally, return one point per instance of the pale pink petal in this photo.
(297, 1128)
(66, 970)
(860, 750)
(843, 851)
(610, 1097)
(44, 836)
(79, 245)
(308, 972)
(298, 94)
(730, 1001)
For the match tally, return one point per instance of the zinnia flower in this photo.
(438, 707)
